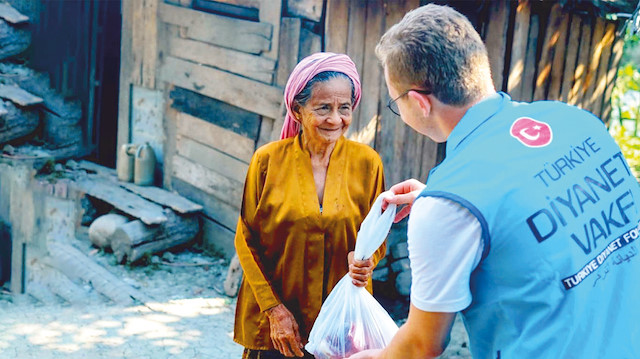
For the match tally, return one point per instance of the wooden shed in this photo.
(202, 80)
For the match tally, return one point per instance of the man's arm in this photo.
(424, 335)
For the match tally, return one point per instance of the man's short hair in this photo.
(437, 48)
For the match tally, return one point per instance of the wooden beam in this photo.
(270, 13)
(336, 20)
(571, 58)
(12, 15)
(552, 35)
(559, 56)
(216, 137)
(19, 96)
(519, 50)
(221, 212)
(256, 67)
(254, 37)
(212, 159)
(496, 39)
(238, 91)
(212, 182)
(127, 62)
(219, 113)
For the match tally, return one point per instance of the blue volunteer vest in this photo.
(558, 207)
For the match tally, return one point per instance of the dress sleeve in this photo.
(445, 246)
(378, 187)
(247, 239)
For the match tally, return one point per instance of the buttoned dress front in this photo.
(292, 251)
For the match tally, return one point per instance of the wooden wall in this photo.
(219, 68)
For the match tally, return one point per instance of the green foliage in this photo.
(630, 146)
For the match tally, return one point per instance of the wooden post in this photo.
(571, 58)
(519, 50)
(496, 40)
(551, 38)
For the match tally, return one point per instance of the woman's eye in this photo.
(346, 109)
(323, 109)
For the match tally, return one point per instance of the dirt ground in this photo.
(189, 317)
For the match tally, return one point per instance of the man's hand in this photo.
(366, 354)
(404, 194)
(360, 271)
(284, 331)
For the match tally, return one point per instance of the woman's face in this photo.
(327, 114)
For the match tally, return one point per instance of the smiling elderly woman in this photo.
(304, 199)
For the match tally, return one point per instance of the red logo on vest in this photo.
(531, 133)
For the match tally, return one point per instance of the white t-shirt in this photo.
(445, 246)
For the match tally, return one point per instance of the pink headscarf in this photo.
(304, 71)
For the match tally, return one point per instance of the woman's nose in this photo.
(335, 117)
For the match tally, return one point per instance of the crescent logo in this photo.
(531, 133)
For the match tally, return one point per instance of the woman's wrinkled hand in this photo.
(284, 331)
(404, 194)
(360, 271)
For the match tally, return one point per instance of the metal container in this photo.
(144, 165)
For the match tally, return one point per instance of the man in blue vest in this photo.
(527, 228)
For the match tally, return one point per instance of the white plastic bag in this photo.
(351, 320)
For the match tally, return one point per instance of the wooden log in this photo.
(13, 41)
(74, 264)
(16, 123)
(101, 230)
(256, 67)
(254, 38)
(11, 15)
(597, 47)
(241, 92)
(529, 74)
(308, 9)
(582, 66)
(216, 137)
(234, 277)
(18, 96)
(571, 57)
(132, 240)
(219, 113)
(495, 40)
(519, 49)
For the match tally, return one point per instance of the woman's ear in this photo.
(424, 101)
(296, 111)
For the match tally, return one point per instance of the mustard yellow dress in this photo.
(290, 251)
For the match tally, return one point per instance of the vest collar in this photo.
(475, 117)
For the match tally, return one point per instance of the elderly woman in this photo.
(304, 199)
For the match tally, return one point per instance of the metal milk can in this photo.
(144, 165)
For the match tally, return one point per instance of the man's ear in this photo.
(423, 101)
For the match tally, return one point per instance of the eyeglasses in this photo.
(393, 106)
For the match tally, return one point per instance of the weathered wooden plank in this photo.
(310, 43)
(356, 33)
(212, 182)
(582, 66)
(309, 9)
(255, 4)
(255, 37)
(256, 67)
(19, 96)
(127, 62)
(15, 122)
(616, 56)
(218, 238)
(212, 159)
(112, 193)
(238, 91)
(216, 112)
(149, 43)
(12, 15)
(571, 57)
(495, 40)
(559, 56)
(155, 194)
(371, 75)
(271, 13)
(13, 40)
(216, 137)
(552, 34)
(288, 56)
(266, 130)
(519, 49)
(599, 91)
(214, 208)
(232, 10)
(335, 22)
(529, 74)
(597, 45)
